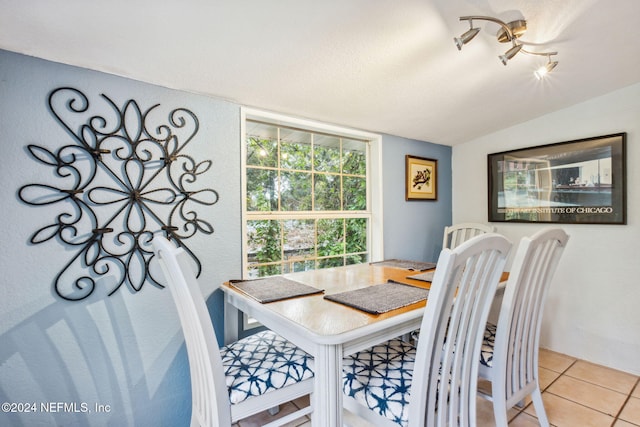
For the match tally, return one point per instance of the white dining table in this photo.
(328, 330)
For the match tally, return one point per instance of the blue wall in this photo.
(413, 229)
(126, 350)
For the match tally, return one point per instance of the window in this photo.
(309, 197)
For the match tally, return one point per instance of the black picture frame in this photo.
(573, 182)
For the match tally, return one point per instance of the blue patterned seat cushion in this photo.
(488, 343)
(263, 362)
(380, 378)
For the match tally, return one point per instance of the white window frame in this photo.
(374, 172)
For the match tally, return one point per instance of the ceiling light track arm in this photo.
(528, 52)
(503, 24)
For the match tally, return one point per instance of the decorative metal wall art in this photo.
(119, 183)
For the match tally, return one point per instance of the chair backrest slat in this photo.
(209, 394)
(444, 385)
(456, 234)
(520, 318)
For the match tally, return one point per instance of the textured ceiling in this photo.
(376, 65)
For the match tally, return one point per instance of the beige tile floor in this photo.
(576, 393)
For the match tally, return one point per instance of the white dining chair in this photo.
(435, 383)
(458, 233)
(454, 235)
(509, 358)
(248, 376)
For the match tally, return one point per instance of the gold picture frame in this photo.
(421, 178)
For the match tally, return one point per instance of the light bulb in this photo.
(545, 69)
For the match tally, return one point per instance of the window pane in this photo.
(261, 190)
(295, 191)
(264, 270)
(327, 192)
(354, 159)
(355, 193)
(356, 239)
(296, 154)
(293, 267)
(330, 237)
(262, 152)
(263, 237)
(299, 239)
(326, 154)
(357, 259)
(331, 262)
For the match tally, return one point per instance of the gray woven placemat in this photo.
(270, 289)
(379, 299)
(425, 277)
(409, 265)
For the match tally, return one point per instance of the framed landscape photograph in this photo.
(573, 182)
(421, 178)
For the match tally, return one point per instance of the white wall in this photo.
(593, 308)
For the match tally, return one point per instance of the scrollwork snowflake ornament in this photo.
(120, 182)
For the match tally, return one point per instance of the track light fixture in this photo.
(467, 36)
(510, 53)
(509, 32)
(545, 69)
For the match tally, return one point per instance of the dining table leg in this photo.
(231, 323)
(326, 400)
